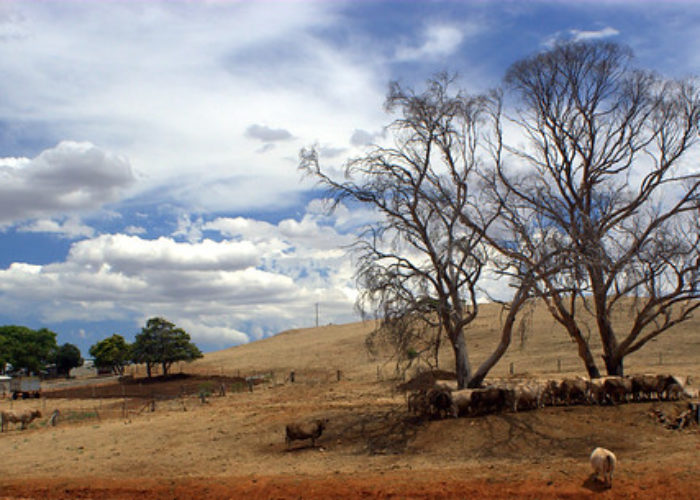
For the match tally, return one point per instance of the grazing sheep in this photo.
(603, 462)
(489, 400)
(617, 389)
(574, 391)
(644, 387)
(440, 403)
(526, 397)
(552, 392)
(307, 430)
(25, 418)
(462, 400)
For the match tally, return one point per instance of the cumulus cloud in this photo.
(258, 278)
(71, 177)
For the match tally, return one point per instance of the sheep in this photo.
(617, 389)
(462, 400)
(551, 393)
(308, 430)
(526, 396)
(603, 462)
(574, 390)
(643, 387)
(440, 403)
(489, 400)
(25, 418)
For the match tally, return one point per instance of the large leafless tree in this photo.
(420, 265)
(607, 178)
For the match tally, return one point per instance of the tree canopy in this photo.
(27, 349)
(601, 183)
(161, 342)
(113, 353)
(66, 358)
(420, 264)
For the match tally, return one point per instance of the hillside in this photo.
(542, 349)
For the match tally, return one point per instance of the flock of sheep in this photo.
(444, 400)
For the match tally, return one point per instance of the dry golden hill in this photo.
(541, 347)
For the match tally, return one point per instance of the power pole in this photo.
(316, 314)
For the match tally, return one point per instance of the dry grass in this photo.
(541, 350)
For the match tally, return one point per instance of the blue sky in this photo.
(148, 150)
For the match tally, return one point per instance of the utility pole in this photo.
(316, 314)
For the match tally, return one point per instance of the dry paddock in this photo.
(233, 446)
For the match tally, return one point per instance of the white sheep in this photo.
(603, 462)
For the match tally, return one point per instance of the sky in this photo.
(149, 150)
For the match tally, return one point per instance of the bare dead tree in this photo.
(605, 183)
(419, 266)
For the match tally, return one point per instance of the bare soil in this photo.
(233, 446)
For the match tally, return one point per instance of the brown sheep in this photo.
(489, 400)
(307, 430)
(574, 391)
(644, 387)
(25, 418)
(440, 403)
(617, 389)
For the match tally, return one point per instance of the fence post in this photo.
(291, 376)
(338, 374)
(511, 368)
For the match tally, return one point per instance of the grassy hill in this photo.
(540, 347)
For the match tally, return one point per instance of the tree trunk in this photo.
(148, 369)
(462, 366)
(506, 335)
(613, 364)
(584, 352)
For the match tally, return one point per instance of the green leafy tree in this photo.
(161, 342)
(27, 349)
(68, 357)
(113, 353)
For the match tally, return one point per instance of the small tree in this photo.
(113, 353)
(161, 342)
(67, 357)
(602, 184)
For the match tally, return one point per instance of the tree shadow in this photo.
(595, 485)
(381, 433)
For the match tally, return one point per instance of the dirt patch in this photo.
(435, 484)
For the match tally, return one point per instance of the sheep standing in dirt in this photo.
(603, 462)
(25, 418)
(308, 430)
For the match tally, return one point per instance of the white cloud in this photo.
(260, 279)
(579, 35)
(182, 87)
(70, 228)
(71, 177)
(438, 41)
